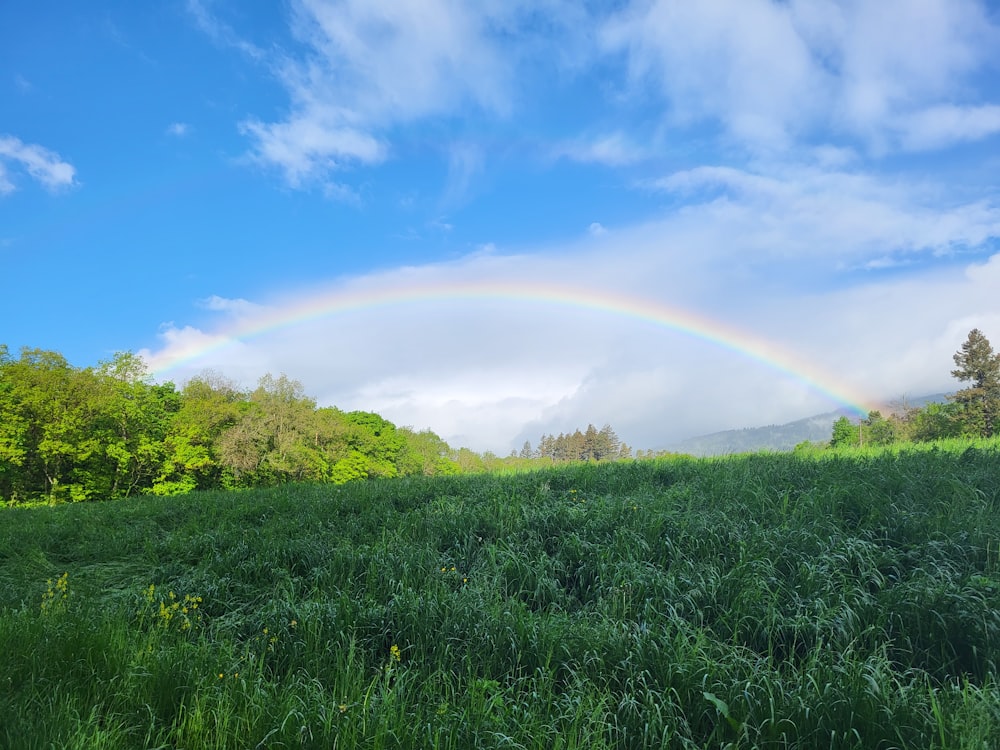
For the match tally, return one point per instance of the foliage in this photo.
(972, 411)
(70, 434)
(979, 404)
(844, 434)
(842, 599)
(592, 445)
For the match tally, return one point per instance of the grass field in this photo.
(841, 600)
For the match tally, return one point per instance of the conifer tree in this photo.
(979, 404)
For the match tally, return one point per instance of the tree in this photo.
(608, 444)
(274, 439)
(979, 404)
(47, 420)
(526, 451)
(210, 405)
(424, 453)
(881, 431)
(844, 433)
(935, 421)
(133, 422)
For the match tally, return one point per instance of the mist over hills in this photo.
(783, 437)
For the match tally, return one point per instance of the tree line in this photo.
(107, 432)
(973, 411)
(590, 445)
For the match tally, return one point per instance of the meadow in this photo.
(848, 599)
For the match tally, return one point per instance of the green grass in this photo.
(849, 599)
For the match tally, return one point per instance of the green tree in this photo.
(48, 414)
(609, 447)
(979, 404)
(271, 442)
(209, 405)
(844, 433)
(13, 431)
(935, 422)
(133, 423)
(424, 453)
(881, 431)
(377, 440)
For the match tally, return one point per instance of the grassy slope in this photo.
(850, 600)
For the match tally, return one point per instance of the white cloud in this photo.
(773, 76)
(611, 149)
(490, 372)
(742, 63)
(43, 165)
(178, 129)
(370, 65)
(897, 56)
(231, 306)
(596, 229)
(944, 125)
(841, 218)
(772, 73)
(308, 147)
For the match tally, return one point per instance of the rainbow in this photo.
(727, 337)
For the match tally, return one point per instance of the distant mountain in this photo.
(781, 437)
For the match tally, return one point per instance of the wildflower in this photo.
(293, 623)
(221, 675)
(56, 594)
(394, 654)
(265, 631)
(343, 708)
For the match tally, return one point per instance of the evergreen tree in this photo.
(979, 404)
(526, 451)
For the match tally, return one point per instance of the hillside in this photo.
(766, 600)
(777, 437)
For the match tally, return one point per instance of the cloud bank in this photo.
(490, 373)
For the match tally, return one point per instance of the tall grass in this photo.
(847, 600)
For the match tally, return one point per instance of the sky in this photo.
(506, 218)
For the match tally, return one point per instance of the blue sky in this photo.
(820, 174)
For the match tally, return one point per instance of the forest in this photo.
(70, 434)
